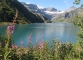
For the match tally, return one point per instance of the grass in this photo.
(43, 50)
(4, 23)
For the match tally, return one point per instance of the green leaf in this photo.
(77, 2)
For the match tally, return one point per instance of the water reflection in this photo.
(63, 31)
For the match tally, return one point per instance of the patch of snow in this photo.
(27, 3)
(54, 12)
(40, 7)
(35, 10)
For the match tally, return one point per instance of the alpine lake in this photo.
(65, 32)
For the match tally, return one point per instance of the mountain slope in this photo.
(56, 15)
(50, 12)
(44, 11)
(24, 15)
(68, 16)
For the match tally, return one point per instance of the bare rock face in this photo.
(50, 12)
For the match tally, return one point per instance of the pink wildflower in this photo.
(37, 39)
(14, 46)
(40, 46)
(30, 38)
(22, 43)
(10, 29)
(79, 49)
(19, 53)
(42, 36)
(0, 43)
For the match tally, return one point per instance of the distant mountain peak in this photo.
(51, 12)
(73, 7)
(51, 9)
(70, 9)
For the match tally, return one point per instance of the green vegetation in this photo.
(41, 51)
(80, 24)
(7, 12)
(4, 23)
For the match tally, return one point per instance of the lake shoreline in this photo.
(63, 31)
(9, 23)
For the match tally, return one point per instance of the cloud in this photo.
(27, 3)
(66, 2)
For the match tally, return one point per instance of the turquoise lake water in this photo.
(65, 32)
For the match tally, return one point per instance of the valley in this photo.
(55, 15)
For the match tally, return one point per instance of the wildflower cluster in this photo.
(10, 30)
(42, 51)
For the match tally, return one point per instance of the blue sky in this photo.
(58, 4)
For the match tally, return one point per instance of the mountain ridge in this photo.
(51, 12)
(8, 8)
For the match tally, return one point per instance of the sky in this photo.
(58, 4)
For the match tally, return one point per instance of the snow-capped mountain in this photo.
(31, 7)
(50, 9)
(49, 12)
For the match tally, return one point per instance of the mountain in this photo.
(55, 15)
(68, 16)
(8, 8)
(50, 9)
(47, 12)
(51, 13)
(70, 9)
